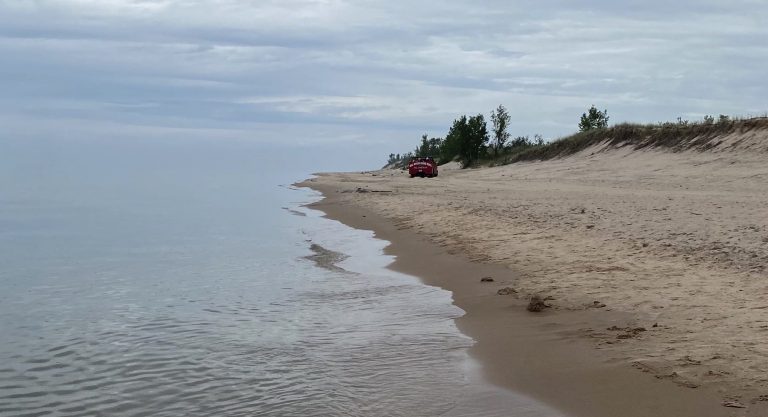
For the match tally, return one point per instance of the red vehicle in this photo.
(422, 167)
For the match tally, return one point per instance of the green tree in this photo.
(404, 159)
(429, 147)
(593, 119)
(500, 119)
(466, 139)
(423, 149)
(477, 140)
(520, 142)
(434, 147)
(452, 143)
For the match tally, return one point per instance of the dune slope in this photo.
(678, 240)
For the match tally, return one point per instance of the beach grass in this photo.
(674, 136)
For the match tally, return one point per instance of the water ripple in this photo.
(234, 336)
(238, 363)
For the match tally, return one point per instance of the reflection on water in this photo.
(322, 342)
(192, 295)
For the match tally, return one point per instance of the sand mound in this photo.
(677, 240)
(451, 166)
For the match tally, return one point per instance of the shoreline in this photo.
(540, 355)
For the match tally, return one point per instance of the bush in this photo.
(593, 119)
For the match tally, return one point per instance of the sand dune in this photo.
(676, 241)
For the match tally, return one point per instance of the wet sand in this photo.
(587, 229)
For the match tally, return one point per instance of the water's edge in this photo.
(542, 356)
(480, 397)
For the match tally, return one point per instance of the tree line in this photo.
(469, 141)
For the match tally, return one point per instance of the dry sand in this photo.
(656, 263)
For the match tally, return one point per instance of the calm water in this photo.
(171, 280)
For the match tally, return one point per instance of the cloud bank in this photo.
(381, 73)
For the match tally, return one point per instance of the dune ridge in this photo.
(741, 134)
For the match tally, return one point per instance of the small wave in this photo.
(295, 212)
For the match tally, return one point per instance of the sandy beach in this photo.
(653, 263)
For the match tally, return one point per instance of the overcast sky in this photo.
(331, 72)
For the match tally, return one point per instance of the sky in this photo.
(368, 77)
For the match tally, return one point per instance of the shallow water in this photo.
(169, 288)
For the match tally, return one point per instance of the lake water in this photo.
(188, 280)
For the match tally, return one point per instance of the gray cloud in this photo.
(329, 71)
